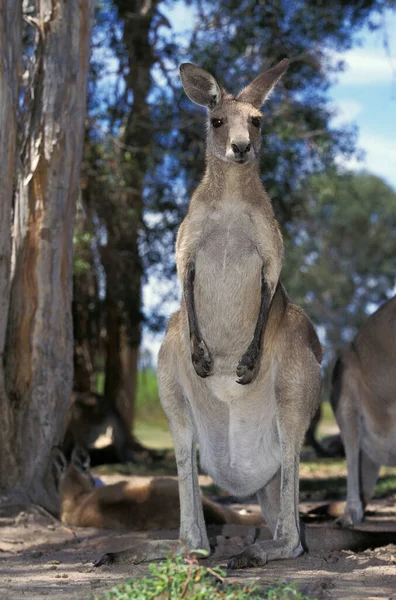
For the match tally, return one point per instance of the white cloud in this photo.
(347, 110)
(363, 67)
(380, 157)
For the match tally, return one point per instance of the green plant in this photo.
(183, 577)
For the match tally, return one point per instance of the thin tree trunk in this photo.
(10, 52)
(40, 341)
(127, 397)
(138, 18)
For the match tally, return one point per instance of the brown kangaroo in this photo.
(363, 398)
(127, 505)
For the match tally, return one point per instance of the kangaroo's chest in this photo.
(228, 237)
(227, 279)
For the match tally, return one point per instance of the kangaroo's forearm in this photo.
(263, 312)
(247, 366)
(200, 354)
(188, 293)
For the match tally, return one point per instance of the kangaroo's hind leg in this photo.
(286, 528)
(269, 500)
(297, 394)
(345, 403)
(192, 525)
(368, 476)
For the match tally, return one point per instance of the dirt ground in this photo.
(39, 558)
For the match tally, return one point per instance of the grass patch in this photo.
(153, 435)
(148, 407)
(179, 577)
(326, 480)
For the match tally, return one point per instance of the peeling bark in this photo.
(39, 369)
(10, 52)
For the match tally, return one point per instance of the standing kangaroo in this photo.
(363, 398)
(239, 369)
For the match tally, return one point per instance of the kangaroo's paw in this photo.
(246, 369)
(200, 356)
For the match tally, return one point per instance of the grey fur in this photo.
(249, 436)
(364, 403)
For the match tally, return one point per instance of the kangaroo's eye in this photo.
(256, 121)
(217, 122)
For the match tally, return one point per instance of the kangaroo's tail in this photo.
(215, 514)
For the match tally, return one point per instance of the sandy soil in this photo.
(39, 558)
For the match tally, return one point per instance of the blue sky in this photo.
(364, 94)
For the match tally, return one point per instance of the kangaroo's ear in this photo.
(200, 86)
(80, 459)
(260, 88)
(59, 461)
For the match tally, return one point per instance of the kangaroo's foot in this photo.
(353, 515)
(145, 552)
(247, 366)
(195, 540)
(258, 554)
(201, 358)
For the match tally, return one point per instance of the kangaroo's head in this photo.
(233, 122)
(74, 478)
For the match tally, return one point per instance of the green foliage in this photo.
(178, 578)
(148, 407)
(82, 250)
(340, 258)
(148, 410)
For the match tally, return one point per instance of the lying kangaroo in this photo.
(127, 505)
(239, 369)
(363, 398)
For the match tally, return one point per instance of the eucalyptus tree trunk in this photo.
(39, 350)
(10, 52)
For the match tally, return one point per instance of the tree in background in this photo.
(340, 258)
(118, 162)
(37, 355)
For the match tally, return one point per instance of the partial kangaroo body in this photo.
(364, 403)
(91, 415)
(128, 505)
(239, 369)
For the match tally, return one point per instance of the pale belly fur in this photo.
(237, 436)
(227, 286)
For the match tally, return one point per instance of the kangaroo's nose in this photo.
(241, 147)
